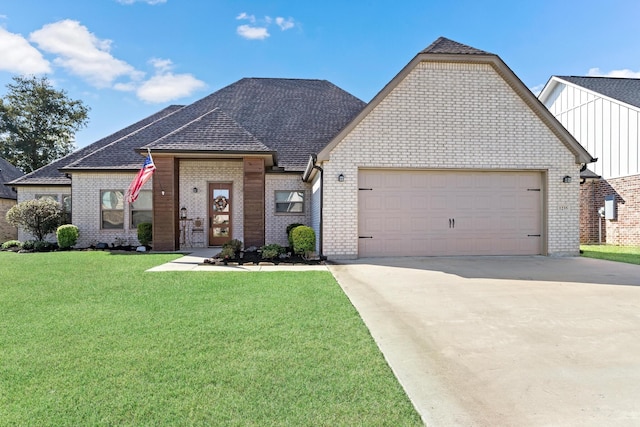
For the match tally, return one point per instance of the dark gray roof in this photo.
(445, 46)
(622, 89)
(589, 174)
(214, 131)
(51, 175)
(8, 173)
(292, 117)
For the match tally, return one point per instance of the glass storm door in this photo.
(220, 221)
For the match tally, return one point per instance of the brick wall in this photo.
(30, 193)
(198, 174)
(625, 229)
(451, 116)
(276, 224)
(7, 231)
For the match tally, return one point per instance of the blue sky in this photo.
(127, 59)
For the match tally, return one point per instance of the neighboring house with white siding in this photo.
(603, 114)
(455, 156)
(8, 197)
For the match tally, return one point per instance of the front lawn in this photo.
(89, 338)
(628, 254)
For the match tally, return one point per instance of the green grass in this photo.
(89, 338)
(628, 254)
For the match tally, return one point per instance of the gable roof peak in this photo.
(447, 46)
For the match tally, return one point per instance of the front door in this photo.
(220, 221)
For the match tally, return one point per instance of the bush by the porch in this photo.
(67, 236)
(145, 233)
(304, 240)
(40, 217)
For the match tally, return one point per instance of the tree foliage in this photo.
(39, 217)
(38, 123)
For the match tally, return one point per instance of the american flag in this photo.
(143, 176)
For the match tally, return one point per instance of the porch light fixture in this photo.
(183, 213)
(341, 178)
(195, 189)
(566, 179)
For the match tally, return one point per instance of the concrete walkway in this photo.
(506, 341)
(194, 261)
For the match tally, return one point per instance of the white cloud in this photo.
(285, 24)
(595, 72)
(161, 65)
(253, 33)
(261, 32)
(244, 16)
(152, 2)
(82, 53)
(18, 56)
(168, 86)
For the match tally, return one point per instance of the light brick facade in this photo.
(276, 223)
(32, 192)
(7, 231)
(451, 116)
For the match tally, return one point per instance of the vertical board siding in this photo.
(165, 215)
(254, 186)
(607, 129)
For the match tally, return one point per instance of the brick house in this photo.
(8, 197)
(603, 114)
(453, 156)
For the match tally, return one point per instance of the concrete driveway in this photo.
(509, 341)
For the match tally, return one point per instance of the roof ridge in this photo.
(104, 147)
(448, 46)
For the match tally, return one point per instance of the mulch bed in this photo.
(255, 258)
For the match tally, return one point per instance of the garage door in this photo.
(424, 213)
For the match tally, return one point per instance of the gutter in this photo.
(311, 167)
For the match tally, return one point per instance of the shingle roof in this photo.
(50, 174)
(293, 117)
(214, 131)
(445, 46)
(8, 173)
(622, 89)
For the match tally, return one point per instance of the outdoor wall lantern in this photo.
(195, 189)
(341, 178)
(183, 213)
(566, 179)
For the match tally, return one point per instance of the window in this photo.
(47, 196)
(141, 209)
(66, 208)
(289, 202)
(112, 209)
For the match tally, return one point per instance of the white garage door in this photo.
(424, 213)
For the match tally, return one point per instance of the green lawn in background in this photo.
(90, 338)
(628, 254)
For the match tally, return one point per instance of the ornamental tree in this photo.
(39, 217)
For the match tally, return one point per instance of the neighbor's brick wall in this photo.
(450, 116)
(199, 173)
(7, 231)
(276, 224)
(625, 230)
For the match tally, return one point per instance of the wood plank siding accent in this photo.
(254, 182)
(166, 234)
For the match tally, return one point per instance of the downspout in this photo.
(320, 227)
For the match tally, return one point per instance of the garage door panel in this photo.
(410, 213)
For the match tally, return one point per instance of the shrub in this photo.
(290, 228)
(271, 251)
(227, 252)
(145, 233)
(67, 236)
(304, 240)
(27, 245)
(12, 245)
(39, 217)
(235, 244)
(44, 246)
